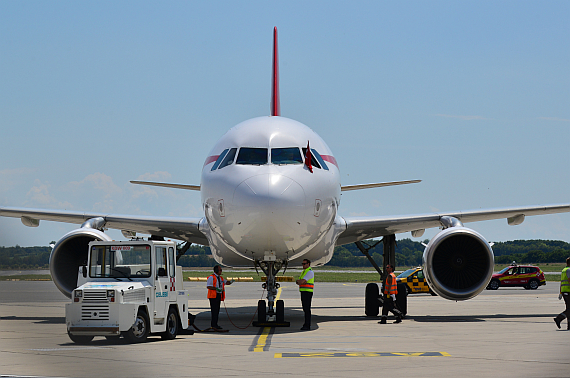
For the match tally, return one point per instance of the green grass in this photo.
(27, 277)
(344, 274)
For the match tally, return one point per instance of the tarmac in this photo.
(503, 333)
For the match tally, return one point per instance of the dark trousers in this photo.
(566, 313)
(390, 306)
(215, 309)
(306, 298)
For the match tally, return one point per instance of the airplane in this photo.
(270, 191)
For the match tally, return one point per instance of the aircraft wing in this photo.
(360, 228)
(169, 227)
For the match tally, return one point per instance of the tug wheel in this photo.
(140, 329)
(80, 339)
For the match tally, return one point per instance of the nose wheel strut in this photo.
(272, 314)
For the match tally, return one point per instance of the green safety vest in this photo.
(564, 285)
(310, 283)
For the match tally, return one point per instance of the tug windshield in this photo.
(120, 261)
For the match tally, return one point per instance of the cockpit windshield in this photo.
(259, 156)
(252, 156)
(288, 155)
(228, 160)
(314, 162)
(120, 261)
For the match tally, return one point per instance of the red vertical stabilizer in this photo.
(275, 106)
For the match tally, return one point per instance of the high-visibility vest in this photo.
(390, 286)
(564, 285)
(310, 283)
(213, 293)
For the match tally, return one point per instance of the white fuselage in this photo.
(260, 209)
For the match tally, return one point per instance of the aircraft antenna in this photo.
(275, 106)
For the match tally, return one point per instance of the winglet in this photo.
(275, 106)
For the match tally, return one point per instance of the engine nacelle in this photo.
(69, 253)
(458, 263)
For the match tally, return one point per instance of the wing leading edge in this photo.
(169, 227)
(360, 228)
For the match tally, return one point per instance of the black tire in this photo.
(261, 311)
(371, 304)
(526, 287)
(172, 325)
(433, 294)
(408, 290)
(280, 311)
(80, 339)
(140, 329)
(533, 284)
(493, 285)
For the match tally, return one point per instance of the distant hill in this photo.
(408, 253)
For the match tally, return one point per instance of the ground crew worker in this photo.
(216, 285)
(306, 283)
(564, 293)
(390, 291)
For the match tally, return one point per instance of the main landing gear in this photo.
(272, 315)
(373, 299)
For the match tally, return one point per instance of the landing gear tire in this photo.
(493, 285)
(172, 325)
(261, 311)
(280, 311)
(533, 284)
(140, 329)
(371, 304)
(80, 339)
(432, 293)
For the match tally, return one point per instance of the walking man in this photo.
(390, 291)
(564, 293)
(306, 283)
(216, 285)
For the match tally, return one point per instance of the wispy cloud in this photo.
(40, 195)
(158, 175)
(554, 119)
(142, 190)
(10, 177)
(99, 182)
(463, 117)
(359, 214)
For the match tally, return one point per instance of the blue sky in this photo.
(472, 97)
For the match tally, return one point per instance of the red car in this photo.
(527, 276)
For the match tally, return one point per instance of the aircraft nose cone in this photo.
(270, 208)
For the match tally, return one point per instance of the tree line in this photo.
(408, 253)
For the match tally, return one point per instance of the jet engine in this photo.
(458, 263)
(70, 252)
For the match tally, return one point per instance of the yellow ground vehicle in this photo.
(415, 281)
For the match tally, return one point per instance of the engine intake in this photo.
(458, 263)
(69, 253)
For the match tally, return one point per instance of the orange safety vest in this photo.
(390, 287)
(213, 293)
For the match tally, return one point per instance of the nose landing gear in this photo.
(272, 315)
